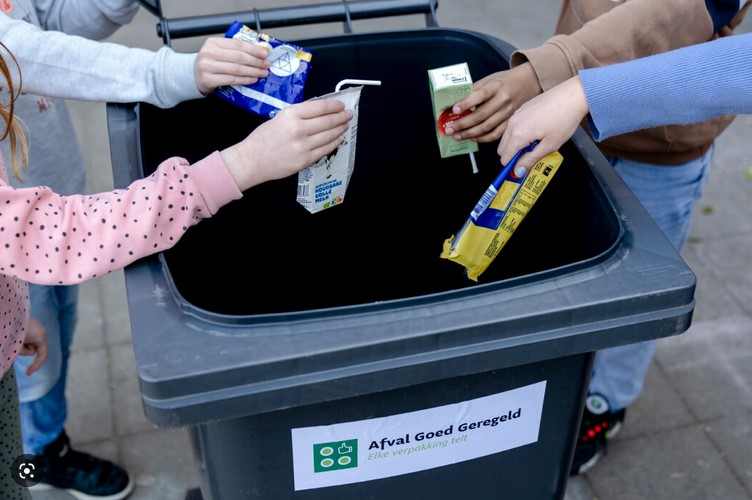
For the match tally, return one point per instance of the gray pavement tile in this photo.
(730, 159)
(90, 121)
(714, 390)
(50, 495)
(679, 464)
(728, 194)
(122, 362)
(706, 341)
(711, 366)
(128, 408)
(503, 20)
(162, 464)
(733, 435)
(115, 302)
(89, 330)
(88, 394)
(729, 259)
(159, 487)
(712, 299)
(579, 489)
(659, 408)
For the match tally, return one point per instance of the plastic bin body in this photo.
(266, 318)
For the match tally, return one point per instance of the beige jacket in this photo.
(594, 33)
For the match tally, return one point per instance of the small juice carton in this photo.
(450, 85)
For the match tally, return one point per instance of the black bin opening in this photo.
(266, 254)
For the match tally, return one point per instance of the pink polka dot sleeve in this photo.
(50, 239)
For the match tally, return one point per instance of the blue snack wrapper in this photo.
(286, 80)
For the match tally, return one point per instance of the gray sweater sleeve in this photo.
(93, 19)
(72, 67)
(682, 86)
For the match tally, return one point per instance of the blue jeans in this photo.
(43, 406)
(668, 193)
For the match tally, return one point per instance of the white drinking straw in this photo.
(351, 81)
(472, 161)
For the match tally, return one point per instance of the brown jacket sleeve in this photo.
(593, 33)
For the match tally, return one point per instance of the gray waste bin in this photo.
(335, 355)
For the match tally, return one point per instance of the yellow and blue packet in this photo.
(498, 213)
(286, 80)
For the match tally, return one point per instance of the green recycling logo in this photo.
(337, 455)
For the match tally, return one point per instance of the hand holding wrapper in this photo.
(286, 80)
(499, 212)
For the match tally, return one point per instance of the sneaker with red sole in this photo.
(599, 425)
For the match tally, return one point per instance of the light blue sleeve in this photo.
(682, 86)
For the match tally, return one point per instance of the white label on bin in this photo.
(377, 448)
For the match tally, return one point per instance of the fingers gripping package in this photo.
(323, 184)
(286, 80)
(497, 215)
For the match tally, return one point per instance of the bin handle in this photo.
(155, 9)
(277, 17)
(258, 20)
(348, 21)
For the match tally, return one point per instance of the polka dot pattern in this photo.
(49, 239)
(10, 438)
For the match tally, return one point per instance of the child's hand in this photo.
(35, 343)
(550, 118)
(495, 98)
(295, 138)
(226, 61)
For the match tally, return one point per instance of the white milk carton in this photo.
(323, 184)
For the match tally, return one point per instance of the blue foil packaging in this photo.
(286, 80)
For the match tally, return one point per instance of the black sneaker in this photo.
(598, 425)
(83, 476)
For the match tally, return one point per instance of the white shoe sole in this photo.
(83, 496)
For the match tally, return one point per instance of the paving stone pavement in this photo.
(688, 436)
